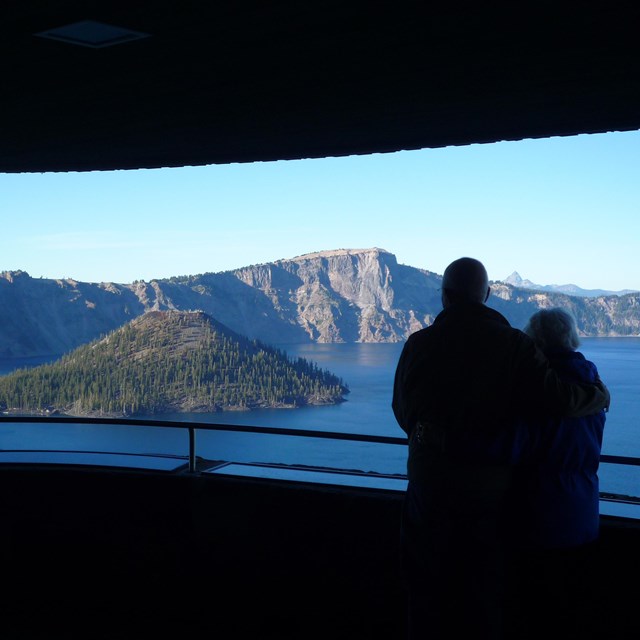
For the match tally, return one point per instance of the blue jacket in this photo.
(555, 490)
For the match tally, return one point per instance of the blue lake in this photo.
(368, 370)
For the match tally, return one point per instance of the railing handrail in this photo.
(208, 426)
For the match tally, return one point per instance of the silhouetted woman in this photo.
(555, 499)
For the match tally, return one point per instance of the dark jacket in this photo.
(556, 490)
(468, 379)
(461, 387)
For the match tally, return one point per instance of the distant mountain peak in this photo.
(516, 280)
(513, 279)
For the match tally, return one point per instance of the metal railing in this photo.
(193, 427)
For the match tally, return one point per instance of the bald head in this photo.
(465, 280)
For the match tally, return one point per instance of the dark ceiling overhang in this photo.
(228, 81)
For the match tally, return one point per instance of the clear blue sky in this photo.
(558, 211)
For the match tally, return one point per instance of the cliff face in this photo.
(613, 315)
(46, 317)
(359, 296)
(345, 295)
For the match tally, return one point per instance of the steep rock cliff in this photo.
(343, 295)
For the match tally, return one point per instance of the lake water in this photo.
(368, 370)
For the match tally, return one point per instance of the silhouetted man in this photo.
(460, 387)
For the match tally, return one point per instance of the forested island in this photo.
(169, 361)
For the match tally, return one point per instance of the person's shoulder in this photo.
(574, 364)
(493, 318)
(579, 360)
(519, 342)
(419, 335)
(493, 315)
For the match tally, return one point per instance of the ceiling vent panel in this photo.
(93, 34)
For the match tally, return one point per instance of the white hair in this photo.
(553, 329)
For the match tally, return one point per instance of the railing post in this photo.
(192, 450)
